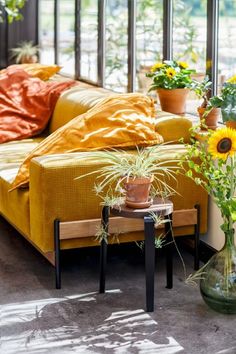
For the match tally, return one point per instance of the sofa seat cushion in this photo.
(14, 206)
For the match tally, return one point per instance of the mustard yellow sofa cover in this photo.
(54, 193)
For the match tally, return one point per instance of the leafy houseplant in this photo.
(208, 115)
(124, 173)
(226, 101)
(12, 9)
(213, 166)
(172, 80)
(25, 53)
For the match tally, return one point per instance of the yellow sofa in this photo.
(54, 193)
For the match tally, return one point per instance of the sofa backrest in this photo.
(75, 101)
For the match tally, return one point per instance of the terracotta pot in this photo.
(29, 59)
(231, 124)
(211, 119)
(137, 192)
(173, 101)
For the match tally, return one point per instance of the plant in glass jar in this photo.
(172, 80)
(212, 165)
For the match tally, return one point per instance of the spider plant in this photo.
(119, 167)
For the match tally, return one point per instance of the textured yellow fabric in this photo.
(74, 102)
(61, 196)
(43, 72)
(117, 121)
(173, 128)
(15, 206)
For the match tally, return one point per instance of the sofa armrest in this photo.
(173, 128)
(54, 193)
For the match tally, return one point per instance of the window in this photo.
(116, 47)
(46, 31)
(149, 39)
(227, 40)
(189, 39)
(89, 40)
(66, 39)
(110, 64)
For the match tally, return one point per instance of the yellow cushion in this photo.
(173, 128)
(74, 102)
(43, 72)
(124, 120)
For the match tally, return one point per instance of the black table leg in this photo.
(57, 250)
(169, 252)
(149, 232)
(103, 250)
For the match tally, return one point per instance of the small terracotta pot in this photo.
(231, 124)
(173, 101)
(211, 119)
(29, 59)
(137, 192)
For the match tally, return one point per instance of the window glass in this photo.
(66, 36)
(149, 42)
(227, 40)
(189, 39)
(89, 39)
(46, 31)
(116, 61)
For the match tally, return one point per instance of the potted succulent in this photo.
(172, 81)
(208, 111)
(133, 174)
(25, 53)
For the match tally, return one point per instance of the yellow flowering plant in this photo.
(213, 166)
(170, 75)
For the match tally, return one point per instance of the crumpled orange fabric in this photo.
(26, 103)
(121, 120)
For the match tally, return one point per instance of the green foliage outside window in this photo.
(12, 9)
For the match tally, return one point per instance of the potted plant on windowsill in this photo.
(172, 81)
(225, 102)
(208, 111)
(25, 53)
(132, 175)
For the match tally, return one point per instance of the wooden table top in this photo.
(159, 207)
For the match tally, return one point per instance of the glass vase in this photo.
(218, 282)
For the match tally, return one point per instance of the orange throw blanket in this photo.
(26, 103)
(122, 120)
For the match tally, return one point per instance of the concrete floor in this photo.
(36, 318)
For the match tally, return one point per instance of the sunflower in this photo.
(232, 80)
(222, 143)
(182, 64)
(170, 72)
(157, 66)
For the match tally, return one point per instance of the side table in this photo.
(161, 208)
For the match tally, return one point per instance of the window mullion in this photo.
(56, 29)
(77, 38)
(212, 42)
(101, 41)
(132, 7)
(167, 29)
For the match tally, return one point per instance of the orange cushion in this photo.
(43, 72)
(125, 120)
(26, 103)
